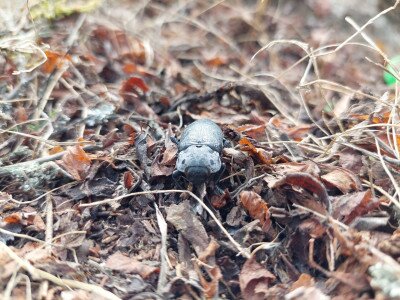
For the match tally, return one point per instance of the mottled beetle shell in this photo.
(202, 132)
(200, 145)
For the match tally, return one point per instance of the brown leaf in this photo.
(122, 263)
(306, 293)
(307, 182)
(216, 61)
(76, 162)
(219, 201)
(12, 219)
(312, 227)
(159, 169)
(129, 68)
(348, 207)
(38, 223)
(262, 155)
(56, 149)
(171, 150)
(299, 132)
(21, 114)
(11, 223)
(209, 251)
(342, 179)
(54, 61)
(305, 280)
(132, 84)
(254, 280)
(133, 92)
(129, 180)
(130, 131)
(210, 286)
(256, 207)
(182, 217)
(253, 131)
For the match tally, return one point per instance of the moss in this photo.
(54, 9)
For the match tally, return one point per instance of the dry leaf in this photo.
(122, 263)
(132, 85)
(348, 207)
(255, 280)
(76, 162)
(262, 155)
(54, 61)
(307, 182)
(343, 180)
(256, 207)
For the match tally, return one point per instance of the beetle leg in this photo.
(227, 143)
(217, 177)
(220, 172)
(176, 175)
(174, 140)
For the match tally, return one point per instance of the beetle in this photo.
(199, 153)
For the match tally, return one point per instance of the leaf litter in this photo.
(310, 200)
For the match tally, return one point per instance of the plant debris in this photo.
(93, 96)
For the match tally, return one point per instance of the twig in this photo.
(324, 217)
(46, 96)
(240, 249)
(40, 274)
(162, 225)
(369, 22)
(49, 222)
(7, 170)
(389, 174)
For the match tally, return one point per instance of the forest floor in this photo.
(91, 93)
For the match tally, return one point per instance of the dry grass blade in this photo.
(42, 275)
(240, 249)
(162, 225)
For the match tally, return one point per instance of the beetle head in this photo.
(198, 162)
(197, 175)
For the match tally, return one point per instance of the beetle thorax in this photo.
(199, 155)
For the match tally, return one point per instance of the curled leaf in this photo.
(256, 207)
(254, 280)
(307, 182)
(76, 162)
(259, 153)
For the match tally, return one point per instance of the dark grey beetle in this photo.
(199, 153)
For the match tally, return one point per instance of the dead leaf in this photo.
(308, 182)
(37, 222)
(306, 293)
(209, 251)
(305, 280)
(21, 115)
(216, 62)
(122, 263)
(54, 61)
(348, 207)
(256, 207)
(262, 155)
(253, 131)
(56, 149)
(12, 223)
(131, 132)
(210, 286)
(171, 150)
(133, 84)
(219, 201)
(129, 68)
(254, 280)
(129, 180)
(76, 162)
(342, 179)
(186, 222)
